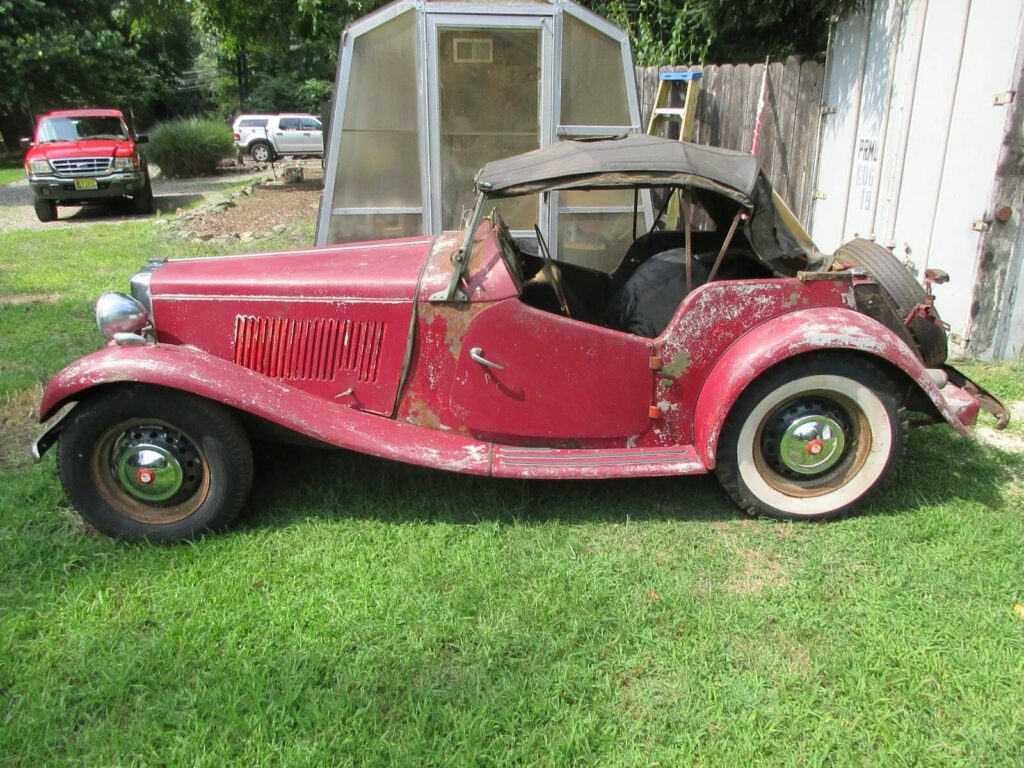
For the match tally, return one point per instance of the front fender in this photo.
(809, 330)
(192, 370)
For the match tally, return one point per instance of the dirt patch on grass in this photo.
(18, 299)
(1011, 439)
(754, 570)
(18, 427)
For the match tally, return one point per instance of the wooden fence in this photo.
(727, 111)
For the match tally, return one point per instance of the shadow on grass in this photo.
(121, 208)
(294, 484)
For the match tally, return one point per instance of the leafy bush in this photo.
(189, 147)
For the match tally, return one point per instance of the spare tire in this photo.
(904, 291)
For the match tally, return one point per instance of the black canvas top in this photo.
(634, 160)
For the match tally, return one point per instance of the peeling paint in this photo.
(678, 365)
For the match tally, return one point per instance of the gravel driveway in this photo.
(16, 211)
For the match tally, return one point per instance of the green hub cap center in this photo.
(811, 444)
(156, 465)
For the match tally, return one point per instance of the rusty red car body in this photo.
(425, 350)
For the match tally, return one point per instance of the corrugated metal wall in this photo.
(917, 153)
(727, 110)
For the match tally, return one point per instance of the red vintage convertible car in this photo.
(722, 341)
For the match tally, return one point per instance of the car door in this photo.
(312, 136)
(526, 373)
(287, 135)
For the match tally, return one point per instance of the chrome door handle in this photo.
(477, 354)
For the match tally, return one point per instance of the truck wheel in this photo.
(813, 439)
(904, 291)
(142, 202)
(46, 210)
(146, 463)
(261, 152)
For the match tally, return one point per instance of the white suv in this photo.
(249, 131)
(265, 137)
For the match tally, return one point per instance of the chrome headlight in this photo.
(40, 166)
(125, 164)
(119, 313)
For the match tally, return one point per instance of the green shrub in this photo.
(189, 147)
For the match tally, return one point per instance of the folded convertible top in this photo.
(630, 161)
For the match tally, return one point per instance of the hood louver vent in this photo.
(308, 350)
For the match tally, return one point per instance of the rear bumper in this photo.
(63, 189)
(967, 398)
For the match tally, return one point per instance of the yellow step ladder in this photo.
(686, 115)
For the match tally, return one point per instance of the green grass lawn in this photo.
(367, 613)
(9, 175)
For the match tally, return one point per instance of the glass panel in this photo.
(595, 240)
(351, 228)
(490, 85)
(592, 198)
(378, 160)
(377, 170)
(593, 81)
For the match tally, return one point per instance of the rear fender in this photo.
(192, 370)
(811, 330)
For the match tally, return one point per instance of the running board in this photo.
(569, 463)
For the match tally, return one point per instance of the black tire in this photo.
(142, 202)
(46, 210)
(845, 429)
(147, 463)
(904, 291)
(261, 152)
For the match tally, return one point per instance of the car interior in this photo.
(641, 294)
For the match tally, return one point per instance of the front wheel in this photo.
(813, 439)
(142, 202)
(46, 210)
(145, 463)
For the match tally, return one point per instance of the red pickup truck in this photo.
(79, 155)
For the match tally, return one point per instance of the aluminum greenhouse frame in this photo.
(427, 92)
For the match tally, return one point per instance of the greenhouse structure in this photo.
(427, 92)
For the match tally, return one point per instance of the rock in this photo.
(293, 174)
(161, 222)
(277, 229)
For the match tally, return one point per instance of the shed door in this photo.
(487, 85)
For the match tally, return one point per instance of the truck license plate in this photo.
(81, 184)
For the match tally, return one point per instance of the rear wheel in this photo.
(146, 463)
(813, 439)
(260, 152)
(904, 291)
(46, 210)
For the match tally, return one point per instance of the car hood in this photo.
(361, 271)
(55, 150)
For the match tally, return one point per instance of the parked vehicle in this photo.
(249, 129)
(737, 348)
(81, 155)
(267, 137)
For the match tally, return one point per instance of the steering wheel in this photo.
(551, 272)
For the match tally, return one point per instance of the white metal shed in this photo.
(427, 92)
(922, 150)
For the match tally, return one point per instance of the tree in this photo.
(281, 53)
(699, 31)
(118, 53)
